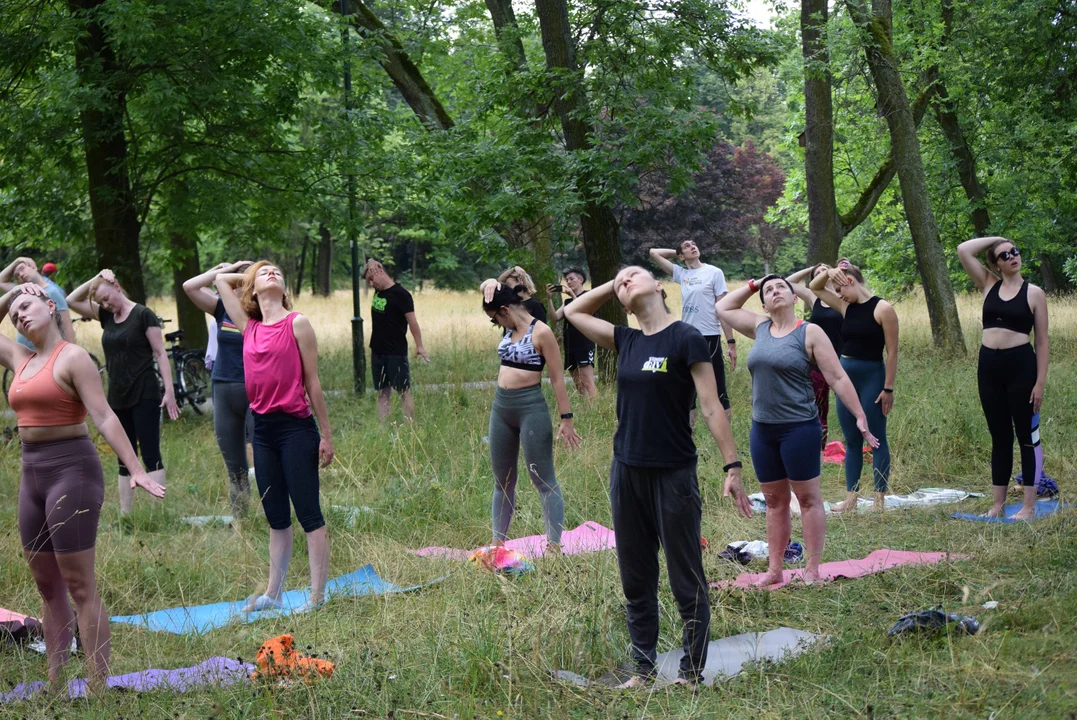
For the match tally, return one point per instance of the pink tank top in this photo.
(273, 368)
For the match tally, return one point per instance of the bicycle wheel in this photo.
(195, 379)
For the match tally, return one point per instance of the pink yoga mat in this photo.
(589, 537)
(834, 453)
(8, 616)
(875, 562)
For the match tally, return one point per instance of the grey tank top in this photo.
(781, 376)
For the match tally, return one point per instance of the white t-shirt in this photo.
(700, 289)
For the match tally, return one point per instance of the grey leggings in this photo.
(232, 424)
(521, 416)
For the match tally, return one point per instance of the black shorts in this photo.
(391, 371)
(576, 360)
(714, 348)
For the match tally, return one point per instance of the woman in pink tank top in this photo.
(280, 369)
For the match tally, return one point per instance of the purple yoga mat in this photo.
(875, 562)
(217, 671)
(589, 537)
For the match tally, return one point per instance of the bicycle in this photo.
(190, 379)
(101, 370)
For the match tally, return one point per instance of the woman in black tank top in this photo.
(830, 320)
(1011, 376)
(869, 326)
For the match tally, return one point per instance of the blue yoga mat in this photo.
(200, 619)
(1043, 509)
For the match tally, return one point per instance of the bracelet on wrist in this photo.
(730, 466)
(888, 390)
(751, 285)
(731, 341)
(566, 416)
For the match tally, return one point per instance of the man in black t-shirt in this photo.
(392, 312)
(579, 349)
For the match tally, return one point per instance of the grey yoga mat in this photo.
(725, 657)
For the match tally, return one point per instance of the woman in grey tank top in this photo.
(786, 434)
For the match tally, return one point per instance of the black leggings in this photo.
(1006, 378)
(286, 466)
(142, 423)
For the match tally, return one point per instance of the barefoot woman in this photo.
(62, 484)
(520, 415)
(654, 492)
(1011, 375)
(785, 425)
(280, 367)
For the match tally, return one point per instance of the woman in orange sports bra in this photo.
(62, 484)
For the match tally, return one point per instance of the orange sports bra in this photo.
(40, 401)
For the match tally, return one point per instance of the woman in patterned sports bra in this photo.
(520, 415)
(1011, 375)
(62, 485)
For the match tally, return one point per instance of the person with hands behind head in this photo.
(702, 286)
(654, 490)
(24, 270)
(830, 320)
(1010, 374)
(392, 312)
(233, 423)
(579, 350)
(132, 340)
(785, 427)
(280, 370)
(62, 487)
(869, 325)
(519, 415)
(519, 280)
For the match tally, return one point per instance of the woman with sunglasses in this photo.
(1011, 375)
(869, 326)
(520, 415)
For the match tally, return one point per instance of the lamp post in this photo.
(358, 352)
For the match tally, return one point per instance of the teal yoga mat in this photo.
(1043, 509)
(199, 619)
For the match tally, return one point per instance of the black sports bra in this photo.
(1013, 314)
(862, 336)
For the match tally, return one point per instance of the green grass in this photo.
(477, 645)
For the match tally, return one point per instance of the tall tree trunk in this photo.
(185, 265)
(302, 265)
(894, 104)
(112, 204)
(598, 224)
(824, 226)
(946, 115)
(1051, 284)
(324, 285)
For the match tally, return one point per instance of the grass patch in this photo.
(475, 645)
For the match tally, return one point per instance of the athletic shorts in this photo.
(391, 371)
(576, 360)
(786, 450)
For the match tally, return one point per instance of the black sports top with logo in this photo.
(655, 391)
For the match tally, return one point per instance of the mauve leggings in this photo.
(60, 496)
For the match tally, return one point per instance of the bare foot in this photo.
(844, 506)
(771, 578)
(1025, 513)
(994, 512)
(553, 549)
(810, 577)
(880, 502)
(633, 682)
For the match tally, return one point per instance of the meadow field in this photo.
(480, 646)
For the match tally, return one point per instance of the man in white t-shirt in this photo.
(702, 285)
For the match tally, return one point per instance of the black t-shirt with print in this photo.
(129, 357)
(228, 365)
(655, 391)
(388, 312)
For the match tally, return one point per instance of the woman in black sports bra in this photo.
(1011, 375)
(520, 415)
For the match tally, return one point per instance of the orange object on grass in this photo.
(277, 658)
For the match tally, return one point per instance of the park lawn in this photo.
(478, 646)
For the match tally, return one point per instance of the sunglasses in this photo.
(1005, 255)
